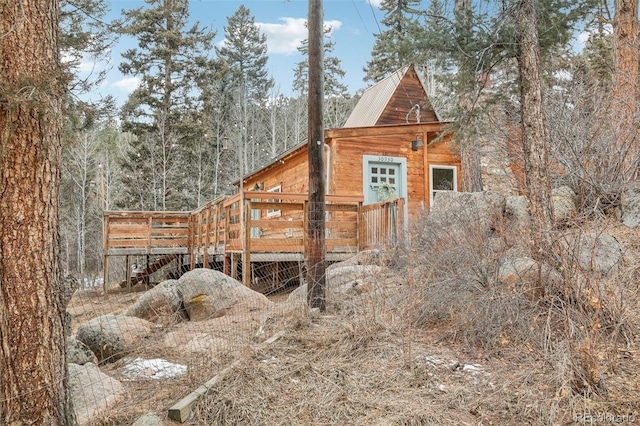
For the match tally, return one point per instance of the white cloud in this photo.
(127, 85)
(579, 41)
(285, 37)
(83, 63)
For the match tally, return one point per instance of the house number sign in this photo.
(385, 159)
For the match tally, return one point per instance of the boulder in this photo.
(517, 212)
(207, 293)
(342, 280)
(629, 209)
(111, 337)
(193, 341)
(341, 275)
(79, 353)
(164, 300)
(530, 276)
(92, 392)
(149, 419)
(563, 202)
(597, 252)
(365, 257)
(462, 209)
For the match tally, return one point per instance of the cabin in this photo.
(383, 169)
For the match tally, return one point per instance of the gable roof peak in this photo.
(375, 101)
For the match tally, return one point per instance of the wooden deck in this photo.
(270, 230)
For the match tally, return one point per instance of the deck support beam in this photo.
(128, 274)
(105, 274)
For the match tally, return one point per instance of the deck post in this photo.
(105, 274)
(246, 249)
(147, 277)
(128, 274)
(359, 228)
(205, 252)
(234, 266)
(193, 248)
(105, 251)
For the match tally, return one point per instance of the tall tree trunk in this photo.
(471, 166)
(33, 362)
(470, 152)
(534, 131)
(625, 92)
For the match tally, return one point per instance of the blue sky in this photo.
(353, 22)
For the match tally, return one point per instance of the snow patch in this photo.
(156, 368)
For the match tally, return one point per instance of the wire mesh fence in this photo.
(441, 313)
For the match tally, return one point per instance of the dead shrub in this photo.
(574, 326)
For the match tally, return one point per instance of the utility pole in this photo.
(316, 252)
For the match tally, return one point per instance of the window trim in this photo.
(432, 191)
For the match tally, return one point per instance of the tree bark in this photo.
(33, 363)
(470, 152)
(625, 92)
(471, 167)
(534, 131)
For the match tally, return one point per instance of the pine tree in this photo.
(337, 104)
(244, 55)
(399, 44)
(84, 34)
(34, 389)
(626, 87)
(169, 59)
(333, 72)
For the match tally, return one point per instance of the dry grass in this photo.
(396, 355)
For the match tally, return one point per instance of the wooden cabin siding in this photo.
(291, 176)
(347, 147)
(408, 94)
(349, 153)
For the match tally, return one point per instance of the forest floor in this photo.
(364, 362)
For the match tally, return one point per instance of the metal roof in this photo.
(374, 100)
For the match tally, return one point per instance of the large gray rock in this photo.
(162, 301)
(343, 280)
(92, 392)
(365, 257)
(111, 337)
(597, 252)
(338, 277)
(207, 294)
(517, 212)
(629, 210)
(563, 202)
(531, 277)
(194, 341)
(79, 353)
(149, 419)
(464, 208)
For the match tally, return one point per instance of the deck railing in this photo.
(270, 223)
(383, 223)
(146, 232)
